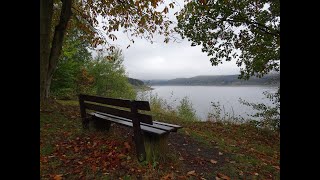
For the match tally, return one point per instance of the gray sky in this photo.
(159, 60)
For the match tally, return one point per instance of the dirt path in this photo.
(196, 156)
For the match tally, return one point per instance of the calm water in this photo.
(202, 96)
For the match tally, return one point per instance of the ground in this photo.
(198, 151)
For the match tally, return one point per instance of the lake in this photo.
(228, 97)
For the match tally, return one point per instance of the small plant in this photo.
(219, 114)
(215, 114)
(186, 110)
(270, 116)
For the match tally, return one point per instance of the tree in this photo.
(248, 31)
(110, 77)
(139, 18)
(75, 55)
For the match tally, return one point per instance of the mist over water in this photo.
(228, 96)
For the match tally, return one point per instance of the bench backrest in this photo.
(91, 102)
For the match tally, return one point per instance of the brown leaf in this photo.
(168, 176)
(222, 176)
(94, 168)
(121, 156)
(193, 173)
(76, 149)
(127, 146)
(277, 167)
(213, 161)
(58, 177)
(182, 177)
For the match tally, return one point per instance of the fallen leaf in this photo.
(277, 167)
(222, 176)
(127, 146)
(220, 153)
(181, 158)
(121, 156)
(213, 161)
(256, 174)
(193, 173)
(168, 176)
(58, 177)
(182, 177)
(80, 162)
(94, 168)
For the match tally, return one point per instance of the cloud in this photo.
(159, 60)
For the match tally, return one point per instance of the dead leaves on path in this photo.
(58, 177)
(191, 173)
(213, 161)
(221, 176)
(96, 153)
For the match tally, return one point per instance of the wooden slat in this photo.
(117, 112)
(141, 105)
(158, 126)
(167, 124)
(129, 124)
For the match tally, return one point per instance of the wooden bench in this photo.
(143, 126)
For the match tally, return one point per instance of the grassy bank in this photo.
(66, 151)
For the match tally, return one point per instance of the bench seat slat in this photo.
(167, 124)
(158, 126)
(127, 123)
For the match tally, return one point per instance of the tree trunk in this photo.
(49, 57)
(47, 88)
(46, 11)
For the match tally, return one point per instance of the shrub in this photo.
(186, 110)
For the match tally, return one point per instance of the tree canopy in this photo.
(247, 31)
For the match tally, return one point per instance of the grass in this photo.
(69, 102)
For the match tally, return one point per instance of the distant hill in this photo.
(218, 80)
(135, 82)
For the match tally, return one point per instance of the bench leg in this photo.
(156, 147)
(85, 123)
(139, 143)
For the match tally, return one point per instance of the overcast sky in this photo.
(159, 60)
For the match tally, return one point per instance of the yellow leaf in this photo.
(193, 173)
(213, 161)
(168, 176)
(58, 177)
(223, 177)
(127, 146)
